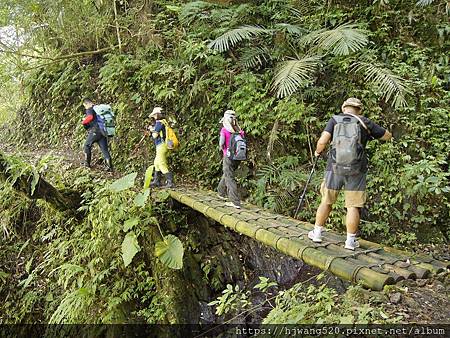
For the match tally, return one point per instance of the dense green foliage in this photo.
(66, 266)
(166, 60)
(284, 66)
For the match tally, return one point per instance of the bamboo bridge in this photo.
(372, 264)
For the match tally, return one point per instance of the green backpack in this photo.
(106, 119)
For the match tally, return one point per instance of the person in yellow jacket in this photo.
(158, 132)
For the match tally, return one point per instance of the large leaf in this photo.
(234, 36)
(292, 74)
(170, 251)
(392, 87)
(194, 10)
(34, 181)
(130, 223)
(141, 198)
(130, 247)
(162, 195)
(123, 183)
(148, 177)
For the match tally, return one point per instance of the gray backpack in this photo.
(237, 149)
(348, 151)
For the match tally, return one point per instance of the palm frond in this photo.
(255, 56)
(234, 36)
(342, 40)
(293, 73)
(291, 29)
(424, 3)
(392, 87)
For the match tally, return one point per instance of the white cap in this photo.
(156, 110)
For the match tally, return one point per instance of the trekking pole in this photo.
(138, 145)
(302, 197)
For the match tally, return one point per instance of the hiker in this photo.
(346, 166)
(159, 134)
(95, 135)
(227, 186)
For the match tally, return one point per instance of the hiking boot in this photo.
(351, 244)
(231, 204)
(109, 165)
(87, 160)
(169, 180)
(315, 236)
(156, 180)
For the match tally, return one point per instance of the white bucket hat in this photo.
(156, 110)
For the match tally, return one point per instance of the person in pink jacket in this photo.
(227, 186)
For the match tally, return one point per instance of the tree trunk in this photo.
(60, 200)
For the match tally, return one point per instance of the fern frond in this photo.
(392, 87)
(72, 307)
(194, 10)
(283, 201)
(292, 74)
(342, 40)
(234, 36)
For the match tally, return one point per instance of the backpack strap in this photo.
(163, 132)
(360, 121)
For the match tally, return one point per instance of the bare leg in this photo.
(352, 220)
(323, 211)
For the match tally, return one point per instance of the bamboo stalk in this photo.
(363, 259)
(326, 258)
(338, 266)
(421, 269)
(416, 257)
(320, 257)
(394, 275)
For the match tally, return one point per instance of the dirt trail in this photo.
(69, 157)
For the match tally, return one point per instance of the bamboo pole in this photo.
(421, 269)
(252, 222)
(309, 255)
(360, 259)
(418, 267)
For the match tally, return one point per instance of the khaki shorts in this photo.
(354, 189)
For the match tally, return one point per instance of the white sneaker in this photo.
(316, 238)
(231, 204)
(221, 197)
(351, 244)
